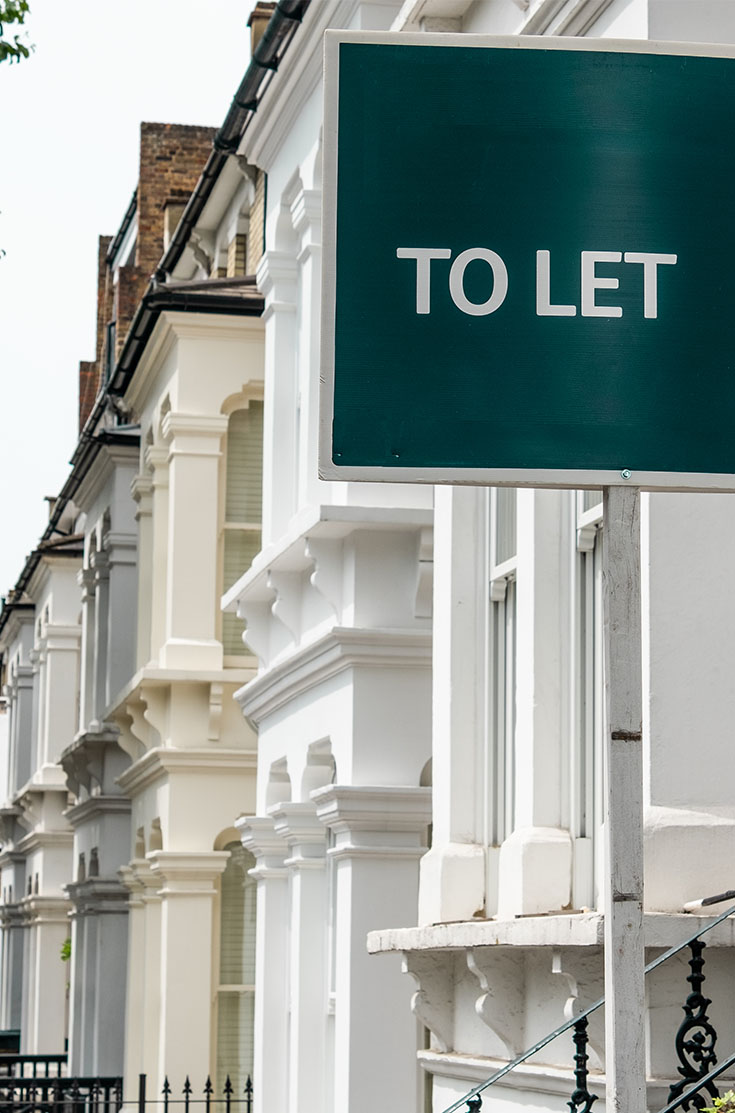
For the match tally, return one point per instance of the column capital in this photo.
(181, 873)
(258, 835)
(99, 563)
(86, 581)
(140, 881)
(194, 434)
(97, 895)
(121, 548)
(375, 821)
(141, 489)
(156, 457)
(276, 276)
(305, 835)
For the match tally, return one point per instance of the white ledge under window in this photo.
(583, 929)
(288, 553)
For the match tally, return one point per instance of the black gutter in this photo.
(84, 455)
(123, 229)
(266, 57)
(183, 300)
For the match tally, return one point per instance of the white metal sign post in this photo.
(578, 335)
(625, 1054)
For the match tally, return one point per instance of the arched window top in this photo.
(237, 923)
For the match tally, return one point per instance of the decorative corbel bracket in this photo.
(433, 1002)
(216, 692)
(584, 984)
(257, 615)
(500, 1004)
(286, 606)
(326, 579)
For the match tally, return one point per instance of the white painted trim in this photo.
(162, 762)
(342, 648)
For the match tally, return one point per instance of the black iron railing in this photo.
(46, 1094)
(229, 1100)
(52, 1095)
(695, 1043)
(32, 1066)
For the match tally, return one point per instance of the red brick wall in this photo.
(129, 289)
(88, 386)
(104, 293)
(172, 157)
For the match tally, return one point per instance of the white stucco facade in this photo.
(40, 638)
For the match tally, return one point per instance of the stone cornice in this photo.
(82, 760)
(340, 649)
(140, 881)
(171, 328)
(12, 916)
(389, 808)
(95, 807)
(154, 677)
(41, 840)
(258, 835)
(297, 823)
(97, 896)
(163, 762)
(42, 909)
(187, 874)
(109, 457)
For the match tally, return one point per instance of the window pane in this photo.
(241, 545)
(235, 1041)
(505, 524)
(243, 491)
(590, 499)
(237, 970)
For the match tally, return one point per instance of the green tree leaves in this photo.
(13, 48)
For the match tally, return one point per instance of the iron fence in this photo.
(21, 1092)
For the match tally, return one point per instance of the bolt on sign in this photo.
(529, 268)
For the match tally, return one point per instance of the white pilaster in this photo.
(142, 491)
(277, 279)
(157, 460)
(536, 859)
(187, 910)
(452, 873)
(271, 980)
(195, 448)
(305, 835)
(379, 834)
(100, 564)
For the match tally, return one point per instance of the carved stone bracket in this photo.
(286, 607)
(583, 978)
(500, 1005)
(257, 615)
(433, 1002)
(326, 579)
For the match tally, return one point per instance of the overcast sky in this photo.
(69, 121)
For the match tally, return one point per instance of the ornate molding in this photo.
(339, 649)
(258, 835)
(433, 1002)
(500, 1004)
